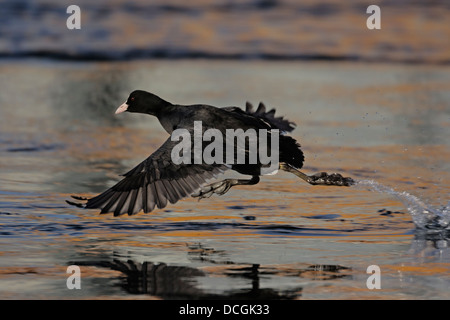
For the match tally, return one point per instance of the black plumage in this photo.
(157, 180)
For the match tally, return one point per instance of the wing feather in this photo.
(154, 182)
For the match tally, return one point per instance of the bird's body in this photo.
(159, 180)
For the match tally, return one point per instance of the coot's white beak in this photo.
(123, 107)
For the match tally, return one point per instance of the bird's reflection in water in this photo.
(181, 282)
(160, 280)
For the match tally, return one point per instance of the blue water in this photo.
(268, 29)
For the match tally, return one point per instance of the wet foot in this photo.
(222, 187)
(219, 188)
(334, 179)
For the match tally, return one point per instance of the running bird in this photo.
(158, 180)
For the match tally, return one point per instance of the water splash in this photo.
(423, 215)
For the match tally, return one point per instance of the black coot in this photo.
(158, 180)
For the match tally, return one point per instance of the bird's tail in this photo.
(269, 116)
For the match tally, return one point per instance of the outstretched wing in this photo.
(154, 182)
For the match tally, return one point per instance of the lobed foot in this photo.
(220, 188)
(334, 179)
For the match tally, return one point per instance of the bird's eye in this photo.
(132, 98)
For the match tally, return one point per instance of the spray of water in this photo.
(423, 215)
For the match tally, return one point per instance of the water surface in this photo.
(411, 31)
(282, 238)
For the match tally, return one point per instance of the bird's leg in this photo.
(322, 178)
(222, 187)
